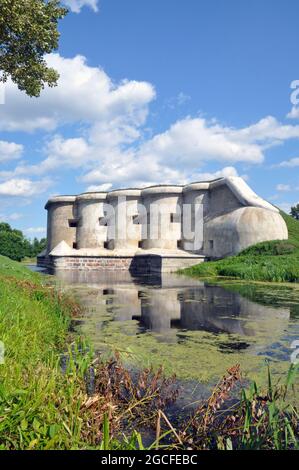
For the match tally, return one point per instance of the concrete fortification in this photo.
(159, 228)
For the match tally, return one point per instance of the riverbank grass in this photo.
(39, 405)
(274, 261)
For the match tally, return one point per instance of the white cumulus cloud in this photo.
(294, 113)
(179, 153)
(10, 151)
(84, 94)
(106, 142)
(101, 187)
(224, 172)
(111, 152)
(10, 217)
(23, 187)
(77, 5)
(292, 163)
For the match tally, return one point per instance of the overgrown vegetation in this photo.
(39, 405)
(260, 419)
(15, 246)
(54, 394)
(274, 261)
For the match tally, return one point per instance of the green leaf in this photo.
(24, 425)
(53, 430)
(36, 424)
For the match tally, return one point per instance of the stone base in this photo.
(138, 264)
(155, 263)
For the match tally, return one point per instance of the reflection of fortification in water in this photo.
(125, 303)
(168, 304)
(159, 309)
(217, 310)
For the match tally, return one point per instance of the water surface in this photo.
(194, 329)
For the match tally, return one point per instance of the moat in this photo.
(193, 329)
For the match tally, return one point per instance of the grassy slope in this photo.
(17, 270)
(272, 261)
(39, 405)
(43, 400)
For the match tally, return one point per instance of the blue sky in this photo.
(155, 91)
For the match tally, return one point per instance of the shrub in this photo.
(274, 248)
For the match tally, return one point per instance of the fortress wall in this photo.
(196, 200)
(238, 218)
(110, 261)
(163, 222)
(222, 200)
(226, 217)
(243, 192)
(91, 231)
(231, 233)
(60, 213)
(124, 228)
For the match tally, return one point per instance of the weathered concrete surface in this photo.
(124, 229)
(196, 199)
(89, 210)
(240, 229)
(60, 212)
(163, 222)
(140, 262)
(242, 192)
(147, 229)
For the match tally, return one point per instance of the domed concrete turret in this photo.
(91, 227)
(60, 221)
(124, 229)
(163, 223)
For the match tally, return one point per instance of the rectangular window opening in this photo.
(136, 220)
(73, 223)
(175, 218)
(103, 222)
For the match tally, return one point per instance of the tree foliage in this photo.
(28, 31)
(14, 245)
(295, 212)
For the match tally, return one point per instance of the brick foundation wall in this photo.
(136, 265)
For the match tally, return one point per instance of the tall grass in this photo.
(39, 405)
(269, 420)
(274, 261)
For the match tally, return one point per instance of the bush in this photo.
(12, 246)
(273, 248)
(15, 246)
